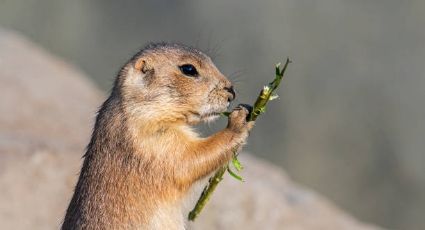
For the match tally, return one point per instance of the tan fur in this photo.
(143, 157)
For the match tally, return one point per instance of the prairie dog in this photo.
(143, 156)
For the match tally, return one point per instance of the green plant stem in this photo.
(265, 96)
(207, 192)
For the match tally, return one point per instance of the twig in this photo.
(259, 107)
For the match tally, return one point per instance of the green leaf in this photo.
(233, 174)
(278, 68)
(226, 114)
(236, 163)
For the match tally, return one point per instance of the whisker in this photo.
(236, 76)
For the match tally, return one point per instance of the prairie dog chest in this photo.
(167, 216)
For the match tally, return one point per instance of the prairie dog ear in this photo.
(143, 65)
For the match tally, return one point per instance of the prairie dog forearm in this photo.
(207, 155)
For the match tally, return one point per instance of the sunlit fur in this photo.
(144, 157)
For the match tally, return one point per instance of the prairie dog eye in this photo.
(189, 70)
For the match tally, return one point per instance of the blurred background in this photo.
(350, 121)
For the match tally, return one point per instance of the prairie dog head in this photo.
(174, 83)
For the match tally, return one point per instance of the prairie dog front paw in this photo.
(238, 123)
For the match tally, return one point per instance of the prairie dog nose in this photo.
(232, 93)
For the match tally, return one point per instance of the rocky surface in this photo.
(47, 109)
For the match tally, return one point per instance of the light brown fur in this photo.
(143, 156)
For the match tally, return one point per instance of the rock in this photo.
(46, 114)
(47, 111)
(270, 200)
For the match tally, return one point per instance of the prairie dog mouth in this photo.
(210, 115)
